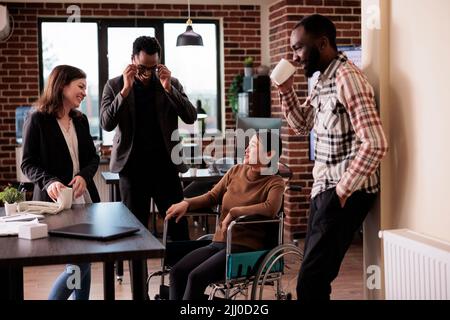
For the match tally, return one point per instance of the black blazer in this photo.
(46, 157)
(118, 112)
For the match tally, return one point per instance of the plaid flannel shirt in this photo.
(349, 138)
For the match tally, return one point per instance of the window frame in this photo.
(102, 37)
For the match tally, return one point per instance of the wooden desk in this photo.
(112, 179)
(205, 175)
(17, 253)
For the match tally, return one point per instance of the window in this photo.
(57, 50)
(196, 68)
(120, 42)
(102, 48)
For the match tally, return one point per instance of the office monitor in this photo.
(21, 116)
(246, 123)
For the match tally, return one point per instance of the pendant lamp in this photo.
(189, 37)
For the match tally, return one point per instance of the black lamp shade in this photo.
(189, 38)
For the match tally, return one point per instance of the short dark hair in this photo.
(319, 26)
(149, 45)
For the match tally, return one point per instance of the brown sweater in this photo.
(253, 194)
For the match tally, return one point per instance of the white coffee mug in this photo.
(65, 197)
(282, 71)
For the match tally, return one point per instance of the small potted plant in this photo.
(248, 66)
(10, 196)
(233, 92)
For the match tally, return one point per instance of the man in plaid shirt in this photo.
(349, 145)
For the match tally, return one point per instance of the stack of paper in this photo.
(12, 228)
(9, 225)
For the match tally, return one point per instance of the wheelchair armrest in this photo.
(197, 213)
(202, 213)
(250, 219)
(255, 219)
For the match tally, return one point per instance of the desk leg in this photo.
(114, 192)
(114, 195)
(153, 213)
(117, 196)
(119, 270)
(108, 281)
(17, 286)
(138, 275)
(11, 283)
(111, 193)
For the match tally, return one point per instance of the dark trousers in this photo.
(330, 233)
(190, 276)
(163, 185)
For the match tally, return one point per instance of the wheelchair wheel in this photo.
(276, 277)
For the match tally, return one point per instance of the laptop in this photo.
(93, 231)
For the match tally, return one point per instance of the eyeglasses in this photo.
(144, 70)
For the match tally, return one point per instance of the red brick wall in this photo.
(19, 55)
(283, 16)
(19, 65)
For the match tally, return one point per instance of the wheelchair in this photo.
(265, 274)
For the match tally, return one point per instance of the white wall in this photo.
(407, 60)
(419, 110)
(375, 59)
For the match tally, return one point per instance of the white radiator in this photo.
(416, 267)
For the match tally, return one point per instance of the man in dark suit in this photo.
(143, 105)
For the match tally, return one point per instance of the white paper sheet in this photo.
(12, 228)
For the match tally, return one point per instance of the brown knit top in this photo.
(252, 194)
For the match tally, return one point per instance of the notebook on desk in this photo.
(93, 232)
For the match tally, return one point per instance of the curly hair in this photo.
(149, 45)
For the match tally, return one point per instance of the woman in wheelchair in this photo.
(246, 189)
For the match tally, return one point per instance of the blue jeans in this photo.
(67, 283)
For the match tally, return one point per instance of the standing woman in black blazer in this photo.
(58, 152)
